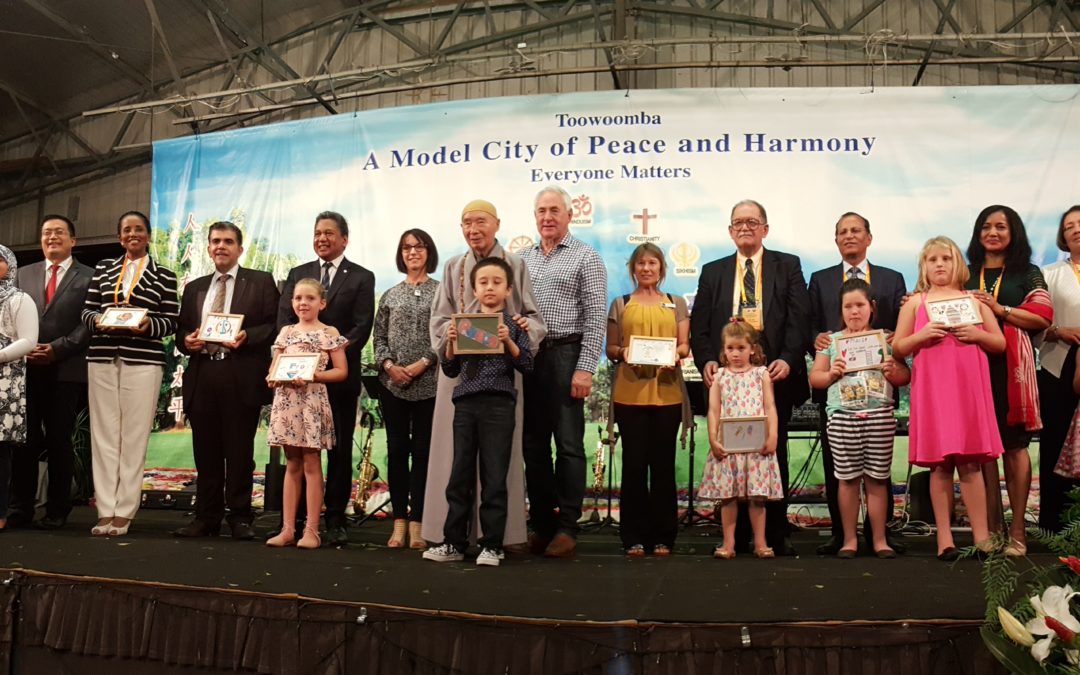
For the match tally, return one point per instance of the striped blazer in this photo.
(155, 290)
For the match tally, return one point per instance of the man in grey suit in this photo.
(56, 376)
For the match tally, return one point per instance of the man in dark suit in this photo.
(767, 288)
(55, 377)
(887, 287)
(225, 383)
(350, 307)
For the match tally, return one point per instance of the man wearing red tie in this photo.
(55, 377)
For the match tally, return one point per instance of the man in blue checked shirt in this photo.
(570, 284)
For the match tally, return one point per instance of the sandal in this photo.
(661, 551)
(1016, 549)
(287, 537)
(310, 539)
(416, 537)
(722, 553)
(766, 552)
(635, 551)
(397, 537)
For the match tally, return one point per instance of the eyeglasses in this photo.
(407, 248)
(747, 223)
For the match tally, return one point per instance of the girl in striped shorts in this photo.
(861, 423)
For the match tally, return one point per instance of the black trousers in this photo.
(339, 459)
(1057, 402)
(51, 410)
(223, 430)
(483, 433)
(648, 506)
(550, 411)
(408, 436)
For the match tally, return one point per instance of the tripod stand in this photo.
(691, 516)
(595, 523)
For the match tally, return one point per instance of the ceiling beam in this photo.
(106, 54)
(246, 36)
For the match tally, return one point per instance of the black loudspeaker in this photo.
(273, 481)
(920, 507)
(699, 401)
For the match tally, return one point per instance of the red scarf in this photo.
(1020, 361)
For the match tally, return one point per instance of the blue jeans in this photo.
(483, 433)
(551, 411)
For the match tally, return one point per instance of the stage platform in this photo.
(152, 599)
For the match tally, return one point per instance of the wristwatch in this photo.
(387, 365)
(1006, 311)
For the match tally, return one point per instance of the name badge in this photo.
(752, 316)
(667, 305)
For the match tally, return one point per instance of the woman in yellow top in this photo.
(648, 405)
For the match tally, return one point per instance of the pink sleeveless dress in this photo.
(952, 408)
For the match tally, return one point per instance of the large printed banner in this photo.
(659, 166)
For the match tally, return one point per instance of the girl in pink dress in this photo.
(953, 426)
(742, 388)
(300, 419)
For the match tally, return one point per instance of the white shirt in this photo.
(130, 267)
(863, 267)
(336, 265)
(1065, 294)
(230, 287)
(740, 270)
(64, 267)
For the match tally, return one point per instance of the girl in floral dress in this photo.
(742, 388)
(300, 419)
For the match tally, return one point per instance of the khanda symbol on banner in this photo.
(685, 255)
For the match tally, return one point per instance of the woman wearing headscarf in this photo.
(124, 370)
(18, 336)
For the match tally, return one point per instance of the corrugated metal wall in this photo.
(101, 200)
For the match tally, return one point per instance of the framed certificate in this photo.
(742, 434)
(122, 317)
(862, 350)
(651, 351)
(477, 333)
(221, 327)
(961, 311)
(289, 367)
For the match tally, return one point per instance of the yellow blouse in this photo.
(647, 385)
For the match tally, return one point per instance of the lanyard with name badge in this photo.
(751, 314)
(134, 281)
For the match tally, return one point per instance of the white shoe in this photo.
(490, 557)
(444, 553)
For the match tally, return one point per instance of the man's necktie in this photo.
(750, 283)
(50, 289)
(218, 305)
(325, 281)
(855, 273)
